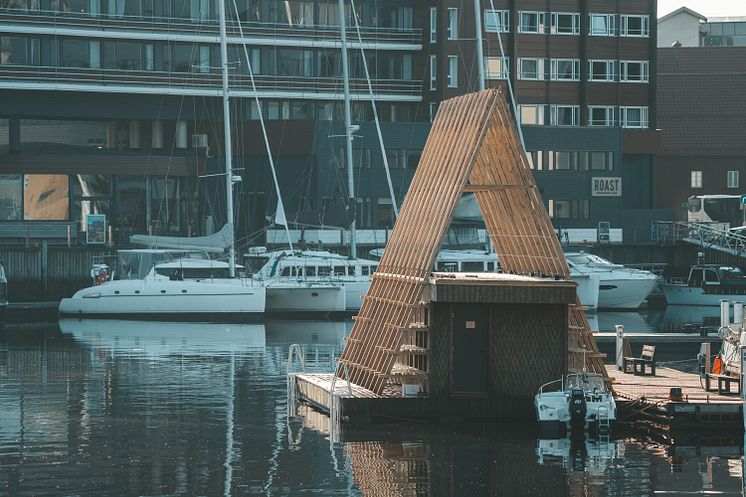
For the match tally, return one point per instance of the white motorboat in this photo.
(707, 285)
(620, 287)
(185, 289)
(581, 402)
(478, 261)
(293, 277)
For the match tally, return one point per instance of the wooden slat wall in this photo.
(519, 226)
(473, 137)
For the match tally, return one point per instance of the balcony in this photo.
(200, 84)
(203, 30)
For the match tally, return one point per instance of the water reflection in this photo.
(674, 318)
(142, 409)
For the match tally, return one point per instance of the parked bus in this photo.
(715, 209)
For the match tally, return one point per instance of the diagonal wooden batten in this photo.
(472, 146)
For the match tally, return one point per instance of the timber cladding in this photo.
(473, 146)
(522, 355)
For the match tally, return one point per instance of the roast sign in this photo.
(606, 187)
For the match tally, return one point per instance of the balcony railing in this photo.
(305, 86)
(151, 25)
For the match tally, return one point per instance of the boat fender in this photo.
(717, 365)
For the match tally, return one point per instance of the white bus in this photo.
(725, 209)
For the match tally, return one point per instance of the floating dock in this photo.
(647, 398)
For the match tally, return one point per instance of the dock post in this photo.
(619, 346)
(724, 313)
(737, 315)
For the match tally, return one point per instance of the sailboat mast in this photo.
(227, 138)
(480, 48)
(352, 204)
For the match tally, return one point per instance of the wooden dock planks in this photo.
(473, 141)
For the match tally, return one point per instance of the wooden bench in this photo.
(724, 382)
(641, 364)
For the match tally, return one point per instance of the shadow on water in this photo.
(143, 409)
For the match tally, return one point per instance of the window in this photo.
(633, 117)
(433, 72)
(531, 69)
(496, 21)
(603, 25)
(433, 24)
(565, 24)
(433, 110)
(601, 70)
(565, 161)
(531, 22)
(633, 71)
(452, 28)
(75, 53)
(635, 26)
(531, 115)
(696, 179)
(601, 116)
(732, 179)
(569, 209)
(565, 115)
(496, 67)
(11, 197)
(601, 161)
(565, 69)
(452, 71)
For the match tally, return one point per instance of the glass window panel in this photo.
(45, 197)
(598, 161)
(562, 209)
(11, 197)
(75, 53)
(184, 57)
(529, 22)
(564, 160)
(75, 6)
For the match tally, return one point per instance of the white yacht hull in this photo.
(624, 293)
(588, 285)
(206, 301)
(287, 297)
(355, 291)
(688, 295)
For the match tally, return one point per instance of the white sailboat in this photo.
(317, 281)
(182, 291)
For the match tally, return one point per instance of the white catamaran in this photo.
(183, 288)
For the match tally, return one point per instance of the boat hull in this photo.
(588, 285)
(625, 293)
(687, 295)
(305, 299)
(168, 300)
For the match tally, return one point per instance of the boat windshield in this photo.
(255, 263)
(585, 381)
(588, 260)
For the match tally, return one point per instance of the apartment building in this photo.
(120, 99)
(702, 104)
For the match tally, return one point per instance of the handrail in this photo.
(204, 26)
(561, 381)
(141, 77)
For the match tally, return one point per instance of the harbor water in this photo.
(115, 408)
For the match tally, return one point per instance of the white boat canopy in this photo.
(217, 242)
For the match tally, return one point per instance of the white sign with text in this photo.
(606, 187)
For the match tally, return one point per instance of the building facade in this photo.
(120, 101)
